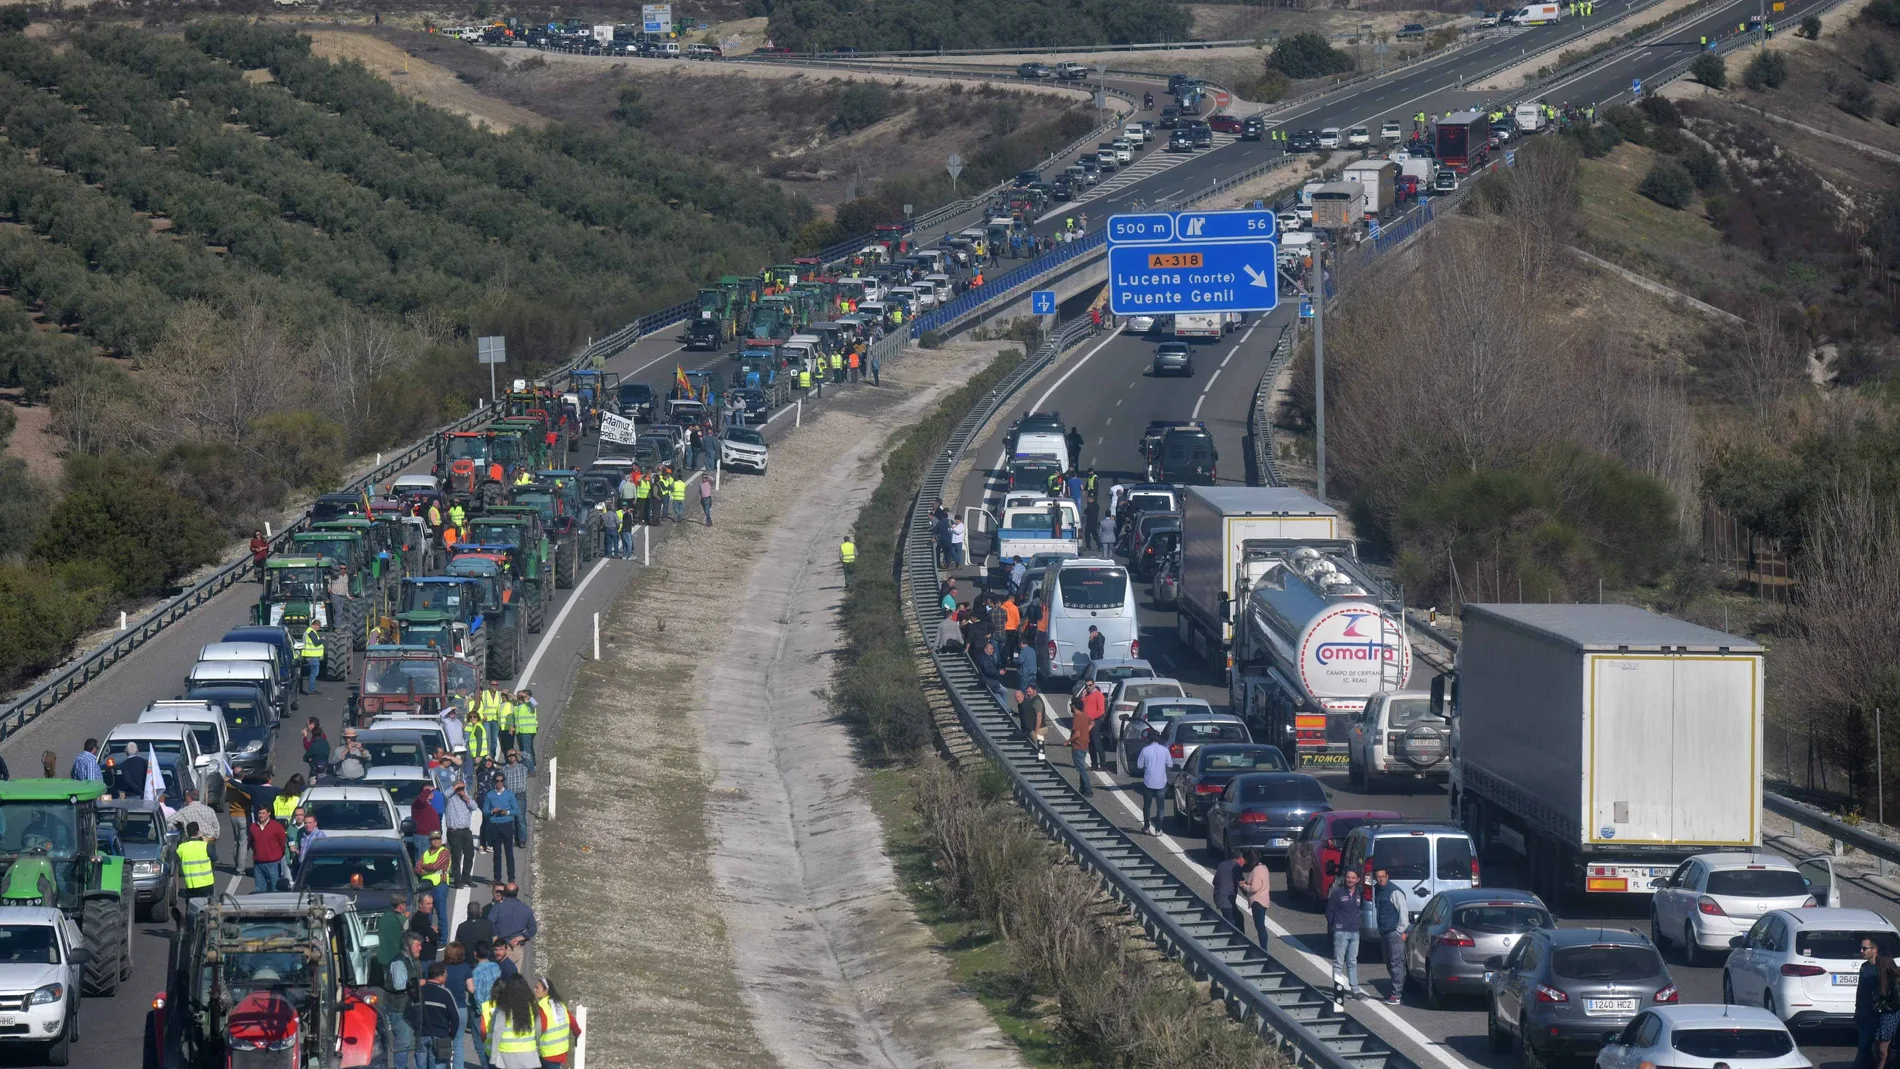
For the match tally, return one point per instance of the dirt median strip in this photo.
(715, 888)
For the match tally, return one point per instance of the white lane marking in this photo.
(1401, 107)
(1198, 401)
(1438, 1049)
(1210, 381)
(1056, 385)
(656, 360)
(547, 637)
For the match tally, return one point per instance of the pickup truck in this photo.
(1026, 531)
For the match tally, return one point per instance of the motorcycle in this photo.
(1147, 102)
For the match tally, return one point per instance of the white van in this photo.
(940, 285)
(179, 740)
(1046, 444)
(1295, 247)
(1086, 592)
(1539, 14)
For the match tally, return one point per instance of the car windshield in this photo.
(1841, 946)
(397, 676)
(1511, 919)
(404, 791)
(134, 826)
(335, 817)
(1093, 588)
(1161, 714)
(435, 597)
(1757, 883)
(1119, 672)
(406, 752)
(1625, 964)
(207, 736)
(1732, 1043)
(380, 872)
(1151, 503)
(28, 944)
(1404, 712)
(1406, 857)
(1282, 792)
(1264, 759)
(1134, 692)
(1198, 733)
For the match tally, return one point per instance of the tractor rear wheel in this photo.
(355, 612)
(102, 921)
(504, 652)
(567, 562)
(537, 607)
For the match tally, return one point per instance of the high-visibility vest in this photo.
(642, 489)
(836, 361)
(312, 644)
(677, 490)
(194, 864)
(854, 360)
(435, 517)
(527, 719)
(283, 806)
(430, 857)
(848, 552)
(506, 719)
(620, 518)
(804, 378)
(523, 478)
(507, 1041)
(477, 742)
(489, 705)
(457, 514)
(556, 1036)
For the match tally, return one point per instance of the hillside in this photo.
(230, 266)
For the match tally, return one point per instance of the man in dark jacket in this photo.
(1227, 888)
(1388, 905)
(1343, 904)
(476, 933)
(437, 1022)
(991, 671)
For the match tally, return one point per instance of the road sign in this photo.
(1636, 86)
(1224, 226)
(656, 18)
(956, 165)
(1148, 227)
(1306, 309)
(1222, 99)
(1202, 276)
(1372, 227)
(1510, 157)
(1259, 205)
(491, 350)
(1042, 302)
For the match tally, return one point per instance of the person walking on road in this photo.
(1343, 905)
(1029, 716)
(1866, 993)
(1095, 704)
(1081, 729)
(556, 1028)
(269, 844)
(1153, 765)
(1886, 1003)
(86, 765)
(457, 813)
(1098, 644)
(509, 1027)
(196, 812)
(433, 869)
(260, 552)
(847, 557)
(957, 534)
(194, 869)
(515, 923)
(437, 1020)
(677, 491)
(500, 810)
(1388, 903)
(705, 497)
(1227, 888)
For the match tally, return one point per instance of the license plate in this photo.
(1846, 979)
(1278, 842)
(1610, 1005)
(8, 1020)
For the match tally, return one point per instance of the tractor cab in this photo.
(296, 592)
(772, 319)
(404, 679)
(489, 573)
(457, 600)
(49, 850)
(463, 460)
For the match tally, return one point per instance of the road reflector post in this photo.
(596, 636)
(121, 619)
(646, 546)
(554, 782)
(580, 1037)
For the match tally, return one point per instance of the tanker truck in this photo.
(1316, 636)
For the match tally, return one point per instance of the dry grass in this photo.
(1680, 248)
(422, 80)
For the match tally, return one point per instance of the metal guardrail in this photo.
(1260, 418)
(1257, 989)
(1820, 820)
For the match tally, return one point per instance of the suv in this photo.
(1712, 899)
(1803, 965)
(1253, 129)
(1173, 358)
(1186, 456)
(1458, 933)
(41, 952)
(1170, 117)
(1396, 736)
(1424, 860)
(1568, 990)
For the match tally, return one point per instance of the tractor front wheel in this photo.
(567, 562)
(504, 652)
(537, 607)
(103, 923)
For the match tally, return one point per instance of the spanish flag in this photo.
(679, 379)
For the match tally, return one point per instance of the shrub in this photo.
(1271, 86)
(1855, 99)
(1628, 122)
(632, 109)
(1877, 63)
(1596, 141)
(1890, 115)
(862, 104)
(1668, 184)
(1768, 70)
(1710, 70)
(122, 522)
(1810, 28)
(1660, 111)
(1703, 167)
(1307, 55)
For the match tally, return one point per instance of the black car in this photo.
(1253, 130)
(598, 486)
(1181, 141)
(333, 864)
(247, 717)
(1026, 179)
(1203, 777)
(636, 400)
(757, 405)
(1160, 544)
(1203, 135)
(1186, 456)
(1265, 810)
(1303, 141)
(1411, 31)
(335, 507)
(702, 335)
(1170, 117)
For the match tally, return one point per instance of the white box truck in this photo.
(1220, 525)
(1603, 744)
(1198, 325)
(1379, 180)
(1529, 117)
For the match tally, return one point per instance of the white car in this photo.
(1703, 1037)
(353, 810)
(1138, 324)
(1390, 131)
(1289, 221)
(1124, 150)
(42, 956)
(1358, 136)
(1712, 898)
(742, 447)
(1803, 965)
(1329, 137)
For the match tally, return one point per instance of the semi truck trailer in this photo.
(1226, 532)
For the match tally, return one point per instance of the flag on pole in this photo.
(154, 779)
(679, 379)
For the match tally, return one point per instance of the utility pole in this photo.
(1317, 286)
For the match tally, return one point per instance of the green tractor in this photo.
(49, 845)
(444, 612)
(574, 528)
(515, 532)
(368, 589)
(501, 616)
(521, 445)
(296, 592)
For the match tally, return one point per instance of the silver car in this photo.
(1185, 734)
(1448, 949)
(1173, 358)
(1567, 991)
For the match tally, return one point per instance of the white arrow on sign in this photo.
(1258, 279)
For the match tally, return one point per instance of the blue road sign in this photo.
(1259, 205)
(1140, 227)
(1223, 226)
(1510, 157)
(1211, 276)
(1636, 85)
(1042, 302)
(1372, 227)
(1306, 309)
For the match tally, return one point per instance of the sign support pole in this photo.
(1318, 285)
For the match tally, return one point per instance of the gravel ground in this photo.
(762, 923)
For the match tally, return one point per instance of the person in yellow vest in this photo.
(505, 721)
(847, 556)
(433, 868)
(194, 869)
(285, 804)
(481, 739)
(804, 378)
(527, 725)
(509, 1034)
(676, 492)
(558, 1030)
(643, 499)
(897, 317)
(837, 367)
(522, 478)
(483, 717)
(312, 653)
